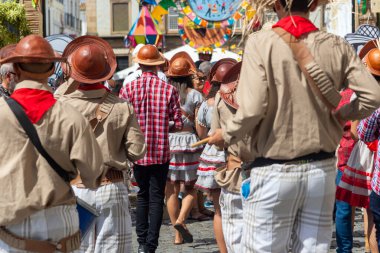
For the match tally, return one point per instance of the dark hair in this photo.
(215, 86)
(182, 83)
(297, 5)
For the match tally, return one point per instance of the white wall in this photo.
(338, 17)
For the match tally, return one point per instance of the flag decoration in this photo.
(200, 37)
(364, 7)
(145, 30)
(151, 2)
(162, 9)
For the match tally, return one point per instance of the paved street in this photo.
(204, 240)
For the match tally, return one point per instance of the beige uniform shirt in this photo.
(276, 102)
(119, 136)
(27, 182)
(222, 114)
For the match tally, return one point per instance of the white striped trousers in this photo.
(232, 219)
(112, 232)
(51, 224)
(290, 207)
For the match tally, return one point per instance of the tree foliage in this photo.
(13, 22)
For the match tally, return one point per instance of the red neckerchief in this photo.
(35, 102)
(296, 25)
(96, 86)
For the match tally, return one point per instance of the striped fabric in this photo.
(354, 187)
(289, 207)
(232, 220)
(368, 131)
(112, 232)
(155, 103)
(52, 224)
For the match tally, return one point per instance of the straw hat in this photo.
(150, 56)
(91, 60)
(180, 65)
(220, 68)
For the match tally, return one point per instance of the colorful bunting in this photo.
(35, 4)
(144, 31)
(162, 9)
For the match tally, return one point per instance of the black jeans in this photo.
(150, 201)
(374, 204)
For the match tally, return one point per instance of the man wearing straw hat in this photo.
(155, 103)
(37, 207)
(92, 62)
(288, 92)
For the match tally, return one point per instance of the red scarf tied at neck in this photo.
(296, 25)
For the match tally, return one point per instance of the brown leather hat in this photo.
(32, 49)
(220, 68)
(372, 60)
(150, 56)
(91, 60)
(229, 85)
(180, 65)
(370, 55)
(7, 50)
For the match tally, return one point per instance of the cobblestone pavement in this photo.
(204, 240)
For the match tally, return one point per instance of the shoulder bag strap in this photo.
(328, 95)
(103, 109)
(31, 131)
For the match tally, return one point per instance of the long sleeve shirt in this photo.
(275, 101)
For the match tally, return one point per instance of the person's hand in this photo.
(216, 138)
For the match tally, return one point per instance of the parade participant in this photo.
(7, 73)
(118, 133)
(155, 103)
(184, 159)
(289, 198)
(136, 74)
(211, 157)
(230, 178)
(205, 67)
(199, 79)
(37, 210)
(369, 131)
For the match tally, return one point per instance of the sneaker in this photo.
(209, 204)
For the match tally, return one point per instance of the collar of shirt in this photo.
(149, 74)
(90, 93)
(96, 86)
(296, 25)
(36, 99)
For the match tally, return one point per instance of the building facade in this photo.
(63, 17)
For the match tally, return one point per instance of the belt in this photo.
(112, 176)
(67, 244)
(261, 162)
(185, 129)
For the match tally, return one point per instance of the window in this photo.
(172, 24)
(120, 17)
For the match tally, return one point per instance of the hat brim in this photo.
(13, 58)
(155, 62)
(233, 73)
(366, 48)
(84, 41)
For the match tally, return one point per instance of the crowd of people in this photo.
(279, 142)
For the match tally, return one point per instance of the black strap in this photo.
(31, 131)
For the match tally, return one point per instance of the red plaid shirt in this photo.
(155, 103)
(346, 143)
